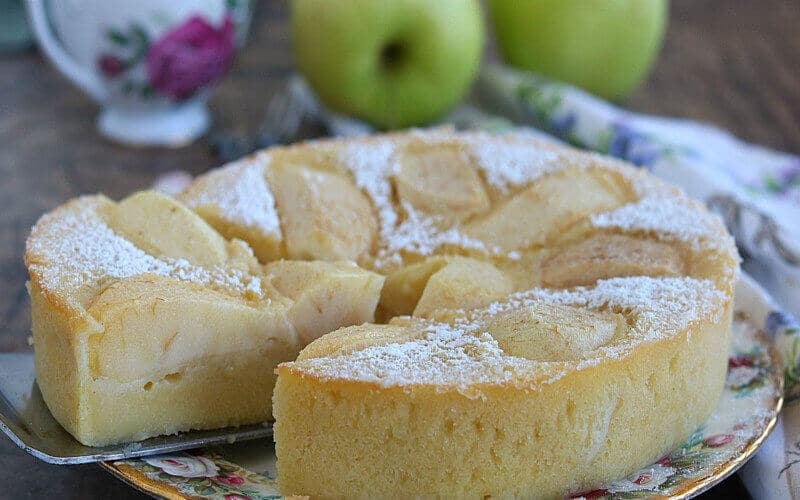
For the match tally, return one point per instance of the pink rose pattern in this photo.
(718, 440)
(200, 474)
(190, 56)
(229, 479)
(184, 465)
(110, 66)
(178, 64)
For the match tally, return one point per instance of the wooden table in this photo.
(735, 63)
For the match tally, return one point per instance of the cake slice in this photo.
(146, 321)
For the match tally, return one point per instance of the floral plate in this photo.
(744, 417)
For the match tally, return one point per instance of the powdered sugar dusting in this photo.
(444, 356)
(507, 164)
(659, 307)
(669, 218)
(418, 233)
(74, 248)
(662, 307)
(230, 280)
(241, 194)
(464, 353)
(372, 166)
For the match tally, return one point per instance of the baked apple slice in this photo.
(404, 287)
(605, 256)
(356, 338)
(324, 216)
(164, 227)
(440, 181)
(463, 283)
(548, 206)
(154, 325)
(326, 295)
(551, 332)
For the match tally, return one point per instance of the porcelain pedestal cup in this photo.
(149, 64)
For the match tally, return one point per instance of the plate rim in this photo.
(725, 470)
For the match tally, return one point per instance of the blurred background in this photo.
(731, 63)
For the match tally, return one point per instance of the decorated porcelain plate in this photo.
(745, 415)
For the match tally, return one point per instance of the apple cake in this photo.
(474, 314)
(550, 320)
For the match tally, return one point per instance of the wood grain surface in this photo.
(733, 63)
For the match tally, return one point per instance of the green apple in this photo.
(604, 46)
(393, 63)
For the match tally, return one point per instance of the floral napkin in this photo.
(755, 190)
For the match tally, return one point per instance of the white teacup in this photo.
(149, 63)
